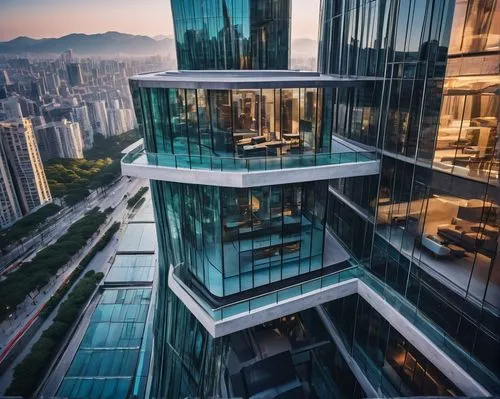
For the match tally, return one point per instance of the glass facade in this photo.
(232, 34)
(234, 240)
(467, 140)
(233, 123)
(426, 228)
(432, 215)
(188, 361)
(392, 365)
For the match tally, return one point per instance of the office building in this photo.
(80, 114)
(25, 164)
(75, 76)
(330, 234)
(245, 34)
(59, 140)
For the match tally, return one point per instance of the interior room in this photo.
(467, 141)
(446, 225)
(454, 237)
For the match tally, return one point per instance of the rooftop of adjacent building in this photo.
(102, 357)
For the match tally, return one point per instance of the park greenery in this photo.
(33, 275)
(112, 146)
(29, 373)
(54, 300)
(73, 179)
(26, 225)
(132, 201)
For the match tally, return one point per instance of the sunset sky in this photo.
(54, 18)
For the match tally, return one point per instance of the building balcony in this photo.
(241, 128)
(472, 377)
(254, 310)
(249, 172)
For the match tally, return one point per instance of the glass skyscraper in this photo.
(228, 34)
(431, 219)
(330, 234)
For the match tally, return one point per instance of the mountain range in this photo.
(109, 43)
(114, 43)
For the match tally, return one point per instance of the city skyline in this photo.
(149, 18)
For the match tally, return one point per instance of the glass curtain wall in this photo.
(467, 142)
(234, 240)
(390, 362)
(232, 34)
(403, 41)
(233, 123)
(435, 120)
(188, 361)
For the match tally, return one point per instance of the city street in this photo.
(10, 328)
(60, 223)
(100, 263)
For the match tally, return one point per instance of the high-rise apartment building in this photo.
(67, 56)
(80, 114)
(25, 164)
(10, 210)
(52, 82)
(120, 120)
(430, 220)
(4, 78)
(330, 234)
(59, 140)
(10, 109)
(98, 117)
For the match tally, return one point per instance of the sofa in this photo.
(434, 245)
(469, 235)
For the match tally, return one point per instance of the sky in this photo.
(55, 18)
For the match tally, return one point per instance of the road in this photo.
(100, 263)
(10, 328)
(59, 224)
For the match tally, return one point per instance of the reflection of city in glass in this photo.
(226, 34)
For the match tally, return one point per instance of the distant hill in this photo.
(161, 37)
(109, 43)
(115, 43)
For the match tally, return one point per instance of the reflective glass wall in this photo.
(391, 364)
(405, 42)
(188, 362)
(467, 142)
(233, 240)
(233, 123)
(232, 34)
(434, 119)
